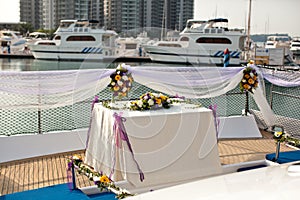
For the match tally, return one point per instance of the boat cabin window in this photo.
(213, 40)
(169, 45)
(130, 46)
(184, 39)
(81, 38)
(57, 37)
(46, 43)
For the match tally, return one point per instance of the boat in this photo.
(295, 46)
(201, 42)
(11, 42)
(277, 42)
(76, 40)
(131, 46)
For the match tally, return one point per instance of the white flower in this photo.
(145, 97)
(113, 83)
(120, 83)
(244, 80)
(110, 104)
(125, 78)
(124, 89)
(151, 102)
(140, 103)
(251, 74)
(119, 67)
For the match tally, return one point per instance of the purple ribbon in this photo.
(216, 119)
(179, 97)
(121, 135)
(69, 175)
(96, 100)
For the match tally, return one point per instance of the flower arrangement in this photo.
(121, 82)
(279, 136)
(101, 180)
(249, 81)
(151, 100)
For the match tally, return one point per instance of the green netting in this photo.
(284, 101)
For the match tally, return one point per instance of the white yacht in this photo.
(131, 46)
(12, 40)
(295, 46)
(201, 42)
(277, 42)
(76, 40)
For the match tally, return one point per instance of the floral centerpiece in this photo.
(103, 182)
(121, 82)
(149, 101)
(279, 136)
(249, 81)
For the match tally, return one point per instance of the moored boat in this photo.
(201, 42)
(295, 46)
(76, 40)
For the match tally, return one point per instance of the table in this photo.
(168, 145)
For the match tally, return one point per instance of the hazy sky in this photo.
(267, 16)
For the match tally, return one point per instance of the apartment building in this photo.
(118, 15)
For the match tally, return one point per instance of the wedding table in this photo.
(158, 147)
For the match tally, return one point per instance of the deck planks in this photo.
(49, 170)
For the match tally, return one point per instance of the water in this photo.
(7, 64)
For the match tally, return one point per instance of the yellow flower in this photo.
(158, 101)
(104, 179)
(246, 86)
(116, 88)
(77, 157)
(118, 77)
(250, 81)
(247, 76)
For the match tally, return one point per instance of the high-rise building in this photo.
(96, 11)
(49, 14)
(168, 14)
(118, 15)
(31, 12)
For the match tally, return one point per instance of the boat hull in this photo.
(192, 56)
(70, 53)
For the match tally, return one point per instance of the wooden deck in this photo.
(50, 170)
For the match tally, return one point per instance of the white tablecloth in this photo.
(169, 145)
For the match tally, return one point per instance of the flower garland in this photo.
(121, 81)
(101, 180)
(149, 101)
(249, 81)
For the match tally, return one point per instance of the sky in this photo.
(267, 16)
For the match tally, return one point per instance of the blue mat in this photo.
(56, 192)
(285, 157)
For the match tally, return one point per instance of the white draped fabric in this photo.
(51, 89)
